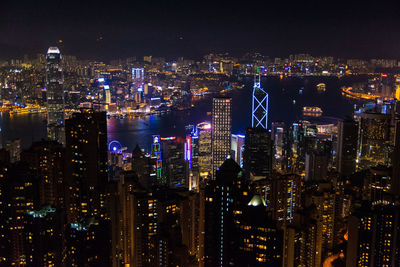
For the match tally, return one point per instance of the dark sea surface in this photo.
(132, 131)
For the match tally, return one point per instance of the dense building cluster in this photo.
(137, 86)
(301, 194)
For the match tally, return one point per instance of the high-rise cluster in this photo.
(54, 199)
(293, 194)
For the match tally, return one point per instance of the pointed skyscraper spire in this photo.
(259, 116)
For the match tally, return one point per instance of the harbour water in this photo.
(287, 97)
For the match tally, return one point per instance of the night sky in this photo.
(117, 29)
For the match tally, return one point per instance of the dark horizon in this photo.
(110, 30)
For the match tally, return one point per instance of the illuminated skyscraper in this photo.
(148, 225)
(321, 202)
(204, 148)
(156, 155)
(259, 116)
(374, 139)
(137, 83)
(125, 219)
(221, 131)
(86, 153)
(284, 197)
(46, 159)
(237, 147)
(396, 158)
(278, 137)
(300, 242)
(373, 236)
(137, 74)
(107, 94)
(200, 152)
(18, 194)
(55, 95)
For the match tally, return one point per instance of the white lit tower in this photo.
(55, 95)
(138, 83)
(259, 117)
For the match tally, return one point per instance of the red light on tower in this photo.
(397, 94)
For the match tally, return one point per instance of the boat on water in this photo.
(321, 87)
(27, 110)
(312, 111)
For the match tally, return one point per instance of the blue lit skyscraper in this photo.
(259, 116)
(156, 154)
(55, 95)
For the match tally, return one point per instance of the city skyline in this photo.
(199, 134)
(203, 196)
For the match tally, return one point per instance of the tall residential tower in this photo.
(87, 170)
